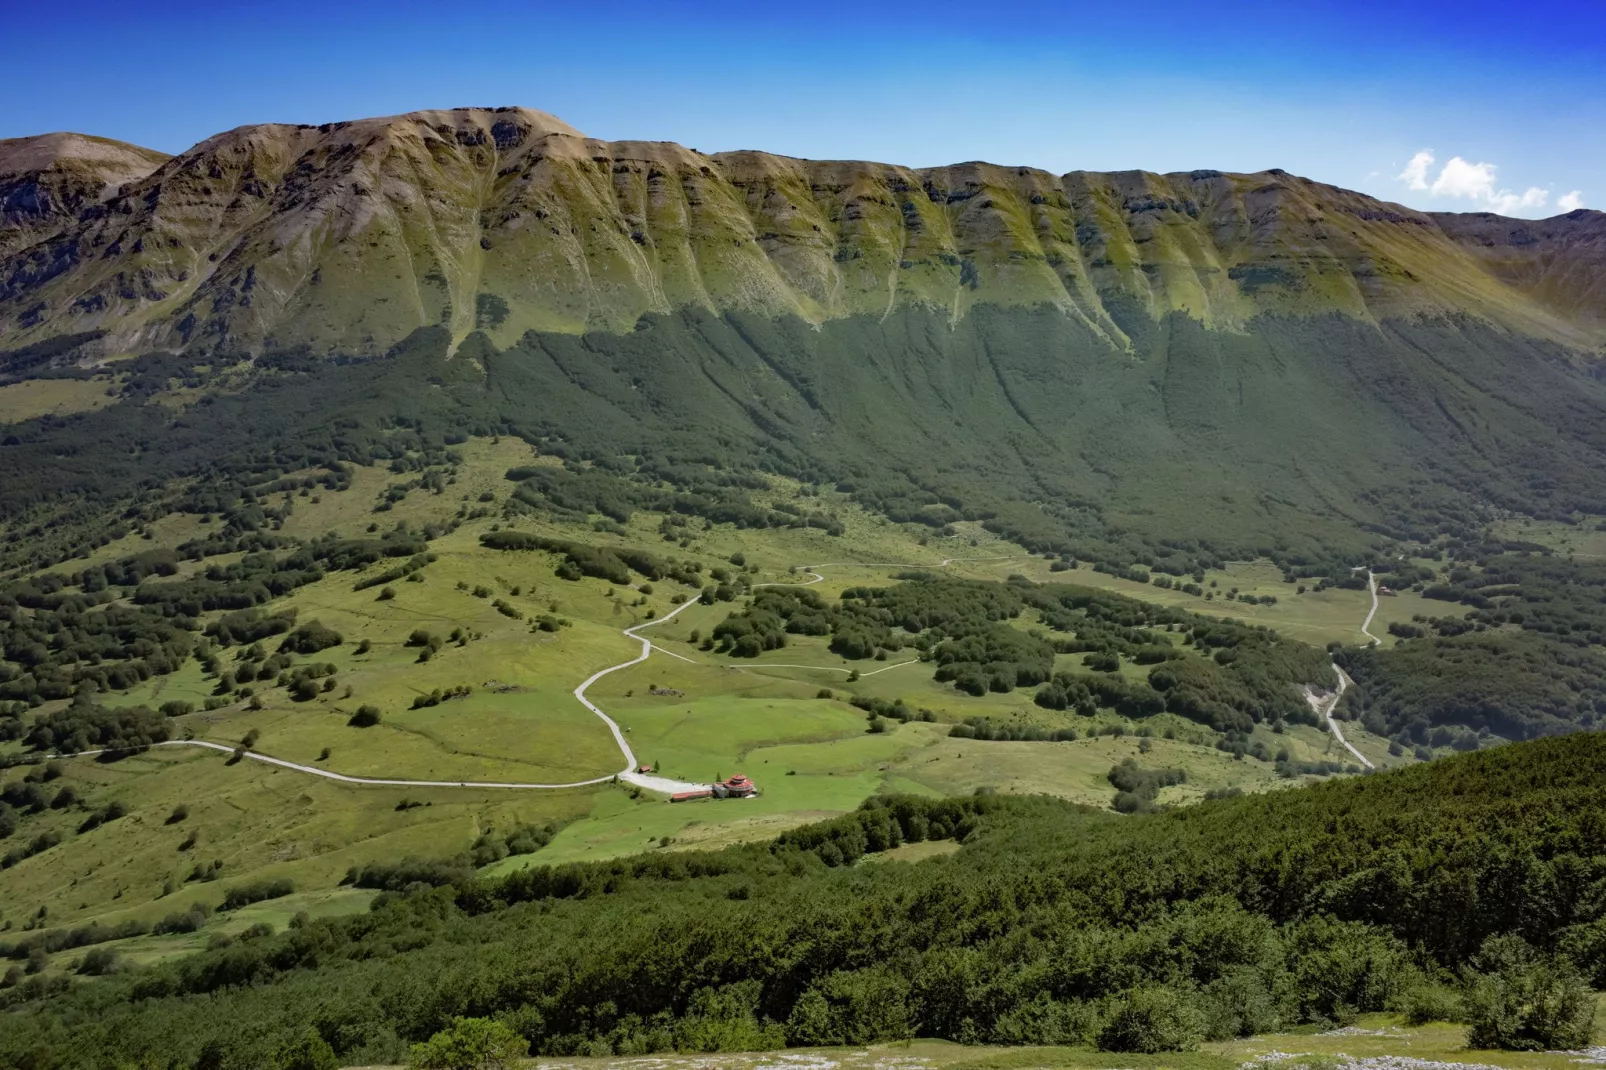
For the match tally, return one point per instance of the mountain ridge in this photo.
(347, 236)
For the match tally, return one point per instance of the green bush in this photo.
(1429, 1001)
(99, 961)
(365, 717)
(310, 638)
(1523, 1000)
(470, 1044)
(1344, 968)
(1240, 1004)
(1152, 1019)
(306, 1052)
(256, 892)
(853, 1007)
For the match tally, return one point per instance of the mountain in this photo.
(346, 237)
(1560, 262)
(1165, 369)
(48, 182)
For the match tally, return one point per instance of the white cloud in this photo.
(1462, 179)
(1570, 202)
(1415, 174)
(1507, 203)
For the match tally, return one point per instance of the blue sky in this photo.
(1507, 101)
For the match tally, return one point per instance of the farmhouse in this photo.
(737, 787)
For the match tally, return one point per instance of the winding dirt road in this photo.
(1371, 586)
(1325, 705)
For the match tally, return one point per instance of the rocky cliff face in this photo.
(347, 237)
(48, 182)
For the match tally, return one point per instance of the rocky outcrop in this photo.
(48, 182)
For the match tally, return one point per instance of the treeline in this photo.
(611, 563)
(58, 634)
(1053, 924)
(618, 486)
(490, 846)
(1459, 691)
(1222, 674)
(84, 725)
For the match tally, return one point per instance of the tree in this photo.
(309, 1051)
(1152, 1019)
(99, 961)
(1527, 1001)
(470, 1044)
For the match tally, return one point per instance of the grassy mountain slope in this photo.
(348, 236)
(1559, 262)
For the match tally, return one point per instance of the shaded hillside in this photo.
(348, 236)
(1293, 440)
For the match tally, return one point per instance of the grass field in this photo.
(52, 397)
(1584, 540)
(712, 716)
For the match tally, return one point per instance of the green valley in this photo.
(1160, 615)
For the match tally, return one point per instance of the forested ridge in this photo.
(1248, 913)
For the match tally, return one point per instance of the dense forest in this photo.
(1528, 658)
(1053, 923)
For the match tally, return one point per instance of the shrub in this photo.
(309, 1051)
(1152, 1019)
(1527, 1001)
(1342, 968)
(470, 1044)
(98, 962)
(365, 717)
(852, 1007)
(310, 638)
(245, 894)
(1240, 1004)
(1429, 1001)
